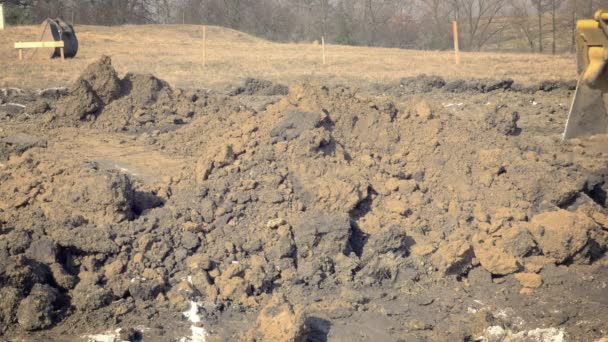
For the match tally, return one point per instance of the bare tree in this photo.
(373, 16)
(555, 4)
(541, 7)
(573, 10)
(479, 18)
(520, 21)
(439, 13)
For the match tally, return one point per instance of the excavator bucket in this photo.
(589, 112)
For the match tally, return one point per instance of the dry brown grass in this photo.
(174, 53)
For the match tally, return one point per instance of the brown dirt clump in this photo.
(327, 208)
(103, 79)
(279, 321)
(253, 86)
(563, 235)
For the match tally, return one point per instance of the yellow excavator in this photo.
(589, 112)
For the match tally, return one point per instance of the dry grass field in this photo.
(174, 53)
(314, 212)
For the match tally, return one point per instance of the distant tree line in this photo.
(529, 25)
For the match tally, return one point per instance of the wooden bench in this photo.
(34, 45)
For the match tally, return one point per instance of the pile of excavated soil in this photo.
(320, 212)
(135, 103)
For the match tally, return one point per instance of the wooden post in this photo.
(204, 45)
(323, 48)
(456, 42)
(1, 17)
(34, 45)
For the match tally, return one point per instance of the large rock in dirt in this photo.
(36, 310)
(493, 256)
(61, 277)
(392, 239)
(453, 258)
(529, 280)
(101, 197)
(562, 234)
(15, 242)
(87, 239)
(22, 273)
(280, 321)
(144, 289)
(518, 241)
(89, 297)
(496, 260)
(103, 79)
(320, 239)
(8, 306)
(43, 250)
(322, 234)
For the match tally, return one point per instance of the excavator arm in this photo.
(589, 111)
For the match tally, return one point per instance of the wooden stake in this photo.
(204, 45)
(1, 17)
(61, 54)
(323, 48)
(456, 42)
(20, 54)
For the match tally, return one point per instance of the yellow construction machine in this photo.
(589, 112)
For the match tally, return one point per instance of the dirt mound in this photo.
(425, 84)
(134, 103)
(326, 207)
(145, 99)
(253, 86)
(103, 79)
(95, 88)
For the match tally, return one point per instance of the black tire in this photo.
(63, 31)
